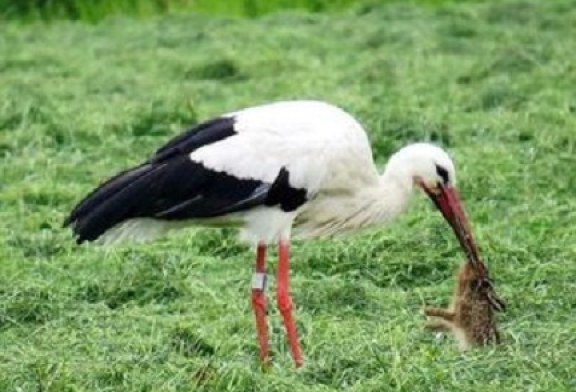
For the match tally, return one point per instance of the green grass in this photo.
(96, 10)
(493, 83)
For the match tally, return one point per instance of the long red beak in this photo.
(448, 202)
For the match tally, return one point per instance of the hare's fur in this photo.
(470, 315)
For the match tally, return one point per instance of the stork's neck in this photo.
(371, 205)
(386, 199)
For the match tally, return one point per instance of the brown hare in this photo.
(470, 316)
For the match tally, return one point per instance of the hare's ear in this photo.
(488, 287)
(496, 303)
(483, 284)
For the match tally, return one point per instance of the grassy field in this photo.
(96, 10)
(493, 83)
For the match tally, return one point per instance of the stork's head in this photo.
(430, 168)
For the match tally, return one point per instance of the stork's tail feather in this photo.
(109, 204)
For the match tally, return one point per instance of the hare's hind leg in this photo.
(437, 326)
(442, 313)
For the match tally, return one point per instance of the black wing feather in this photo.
(116, 204)
(196, 137)
(102, 192)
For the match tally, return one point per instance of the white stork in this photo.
(267, 169)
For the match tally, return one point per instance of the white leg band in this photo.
(259, 281)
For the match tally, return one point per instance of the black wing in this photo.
(201, 135)
(170, 186)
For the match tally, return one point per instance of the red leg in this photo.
(284, 301)
(259, 301)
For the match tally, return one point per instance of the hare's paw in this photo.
(437, 312)
(437, 326)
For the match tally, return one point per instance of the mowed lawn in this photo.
(494, 83)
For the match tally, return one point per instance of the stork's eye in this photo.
(443, 173)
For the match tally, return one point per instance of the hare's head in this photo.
(469, 275)
(475, 282)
